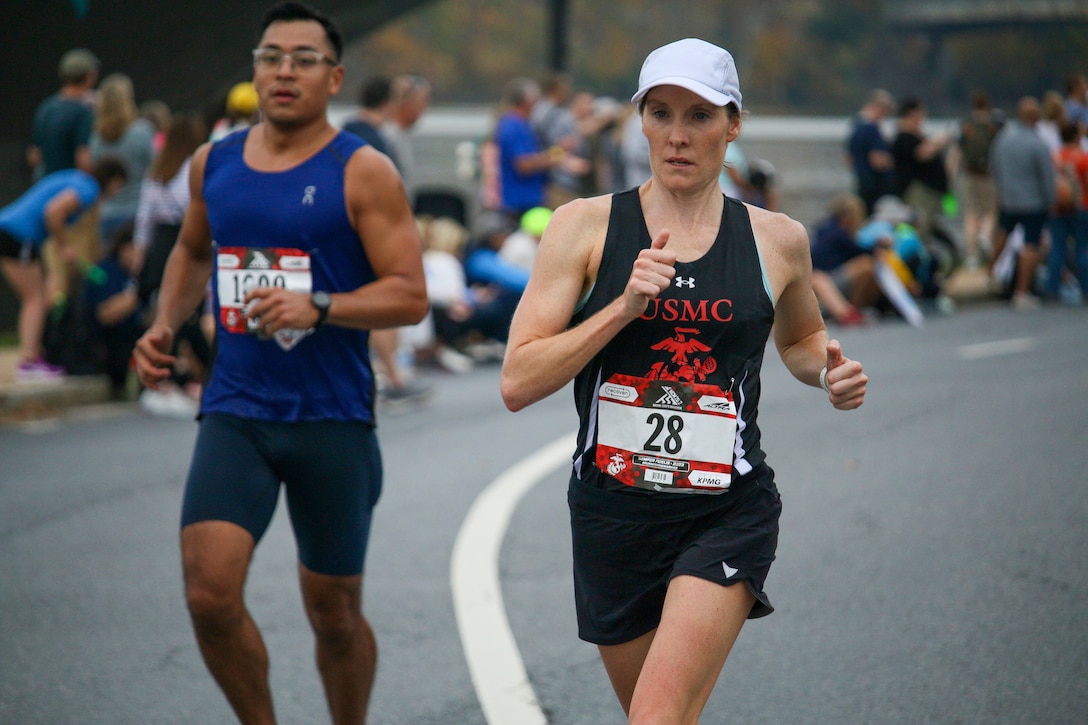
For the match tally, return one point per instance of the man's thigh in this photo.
(332, 472)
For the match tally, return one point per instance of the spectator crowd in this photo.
(1000, 195)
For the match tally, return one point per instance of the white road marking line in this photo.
(498, 673)
(993, 349)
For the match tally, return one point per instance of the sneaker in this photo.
(39, 371)
(168, 403)
(486, 352)
(411, 391)
(1025, 302)
(1070, 294)
(453, 361)
(853, 318)
(945, 304)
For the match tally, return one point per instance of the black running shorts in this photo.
(627, 548)
(331, 472)
(13, 248)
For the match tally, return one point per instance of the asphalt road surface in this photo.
(932, 567)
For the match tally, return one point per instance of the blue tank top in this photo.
(710, 327)
(327, 375)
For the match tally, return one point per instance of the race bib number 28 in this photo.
(666, 435)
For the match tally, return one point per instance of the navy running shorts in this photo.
(331, 473)
(627, 548)
(1032, 222)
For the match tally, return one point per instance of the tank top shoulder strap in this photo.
(233, 143)
(343, 145)
(736, 223)
(626, 234)
(226, 150)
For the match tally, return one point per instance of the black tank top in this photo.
(709, 327)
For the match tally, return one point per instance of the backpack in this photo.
(69, 338)
(1068, 191)
(976, 137)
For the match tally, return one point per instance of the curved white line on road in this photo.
(494, 662)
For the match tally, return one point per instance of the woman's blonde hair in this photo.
(1053, 107)
(116, 109)
(443, 235)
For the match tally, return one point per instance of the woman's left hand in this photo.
(845, 378)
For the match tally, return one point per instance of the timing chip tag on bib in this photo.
(240, 269)
(666, 435)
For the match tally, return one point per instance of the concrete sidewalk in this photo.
(29, 401)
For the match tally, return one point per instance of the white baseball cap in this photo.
(701, 67)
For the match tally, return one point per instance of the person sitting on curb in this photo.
(843, 272)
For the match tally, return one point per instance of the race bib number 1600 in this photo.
(240, 269)
(666, 435)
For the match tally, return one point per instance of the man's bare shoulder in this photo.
(368, 161)
(371, 181)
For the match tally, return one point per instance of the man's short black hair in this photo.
(909, 105)
(375, 93)
(1069, 132)
(288, 11)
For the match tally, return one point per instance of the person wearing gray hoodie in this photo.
(1024, 175)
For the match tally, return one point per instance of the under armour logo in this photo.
(688, 282)
(308, 195)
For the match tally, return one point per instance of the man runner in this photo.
(312, 244)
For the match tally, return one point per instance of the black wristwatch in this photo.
(321, 301)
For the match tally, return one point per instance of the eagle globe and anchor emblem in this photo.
(685, 365)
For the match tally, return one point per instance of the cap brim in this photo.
(700, 89)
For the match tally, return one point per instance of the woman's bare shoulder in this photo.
(581, 221)
(778, 235)
(590, 209)
(573, 242)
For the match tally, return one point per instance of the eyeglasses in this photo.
(301, 60)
